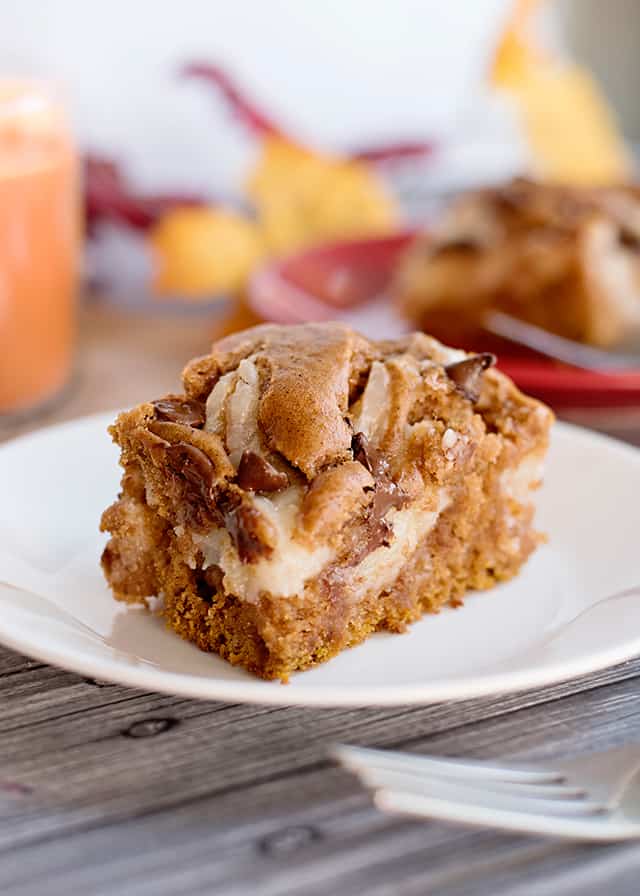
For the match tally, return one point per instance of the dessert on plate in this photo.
(563, 258)
(309, 487)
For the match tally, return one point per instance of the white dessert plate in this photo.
(547, 625)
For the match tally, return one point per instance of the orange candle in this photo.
(39, 246)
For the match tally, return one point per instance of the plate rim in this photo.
(273, 693)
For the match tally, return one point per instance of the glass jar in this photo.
(39, 246)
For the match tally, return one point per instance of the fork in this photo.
(588, 357)
(587, 798)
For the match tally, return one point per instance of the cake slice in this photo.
(566, 259)
(310, 487)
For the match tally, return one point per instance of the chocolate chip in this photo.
(155, 446)
(195, 468)
(387, 496)
(377, 533)
(181, 410)
(361, 451)
(256, 474)
(380, 534)
(466, 375)
(245, 524)
(367, 455)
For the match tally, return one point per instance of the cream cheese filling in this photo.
(293, 563)
(383, 566)
(289, 567)
(519, 482)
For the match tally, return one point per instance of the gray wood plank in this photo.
(238, 799)
(80, 732)
(11, 663)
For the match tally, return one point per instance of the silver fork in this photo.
(588, 798)
(622, 357)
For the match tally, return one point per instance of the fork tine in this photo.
(605, 829)
(353, 757)
(476, 793)
(417, 773)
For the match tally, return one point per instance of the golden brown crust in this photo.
(335, 495)
(566, 259)
(312, 486)
(305, 397)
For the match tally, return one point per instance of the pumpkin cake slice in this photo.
(310, 486)
(563, 258)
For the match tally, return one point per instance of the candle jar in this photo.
(39, 247)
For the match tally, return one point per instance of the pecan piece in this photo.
(467, 375)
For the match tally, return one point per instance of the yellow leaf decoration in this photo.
(204, 252)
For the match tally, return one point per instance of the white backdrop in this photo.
(338, 71)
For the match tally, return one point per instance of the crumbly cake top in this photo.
(283, 433)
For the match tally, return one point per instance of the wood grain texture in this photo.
(242, 799)
(108, 791)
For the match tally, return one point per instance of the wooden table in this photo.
(106, 790)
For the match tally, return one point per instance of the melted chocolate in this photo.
(195, 470)
(181, 410)
(244, 525)
(467, 374)
(256, 474)
(367, 455)
(386, 495)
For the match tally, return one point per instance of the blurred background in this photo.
(211, 142)
(336, 74)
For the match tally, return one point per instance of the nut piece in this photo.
(466, 375)
(242, 412)
(187, 411)
(371, 412)
(256, 474)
